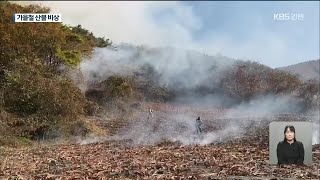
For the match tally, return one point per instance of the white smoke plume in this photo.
(174, 66)
(316, 127)
(189, 69)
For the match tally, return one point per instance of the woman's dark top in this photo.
(290, 153)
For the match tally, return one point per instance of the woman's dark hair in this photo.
(291, 128)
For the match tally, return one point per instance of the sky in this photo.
(241, 30)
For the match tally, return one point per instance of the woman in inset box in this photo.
(290, 151)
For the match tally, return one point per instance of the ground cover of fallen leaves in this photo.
(166, 160)
(245, 157)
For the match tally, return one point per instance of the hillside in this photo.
(181, 76)
(38, 100)
(306, 70)
(52, 83)
(73, 105)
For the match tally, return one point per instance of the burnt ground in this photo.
(243, 157)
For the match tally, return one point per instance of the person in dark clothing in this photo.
(199, 125)
(290, 151)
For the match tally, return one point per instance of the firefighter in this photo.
(199, 125)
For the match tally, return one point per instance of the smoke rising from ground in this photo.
(316, 127)
(181, 128)
(186, 69)
(175, 67)
(265, 106)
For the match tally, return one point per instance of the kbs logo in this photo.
(288, 16)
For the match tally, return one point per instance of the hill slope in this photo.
(305, 70)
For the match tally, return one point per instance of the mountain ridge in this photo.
(305, 70)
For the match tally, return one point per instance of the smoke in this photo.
(180, 125)
(172, 127)
(265, 106)
(164, 126)
(234, 123)
(316, 127)
(187, 69)
(176, 68)
(316, 133)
